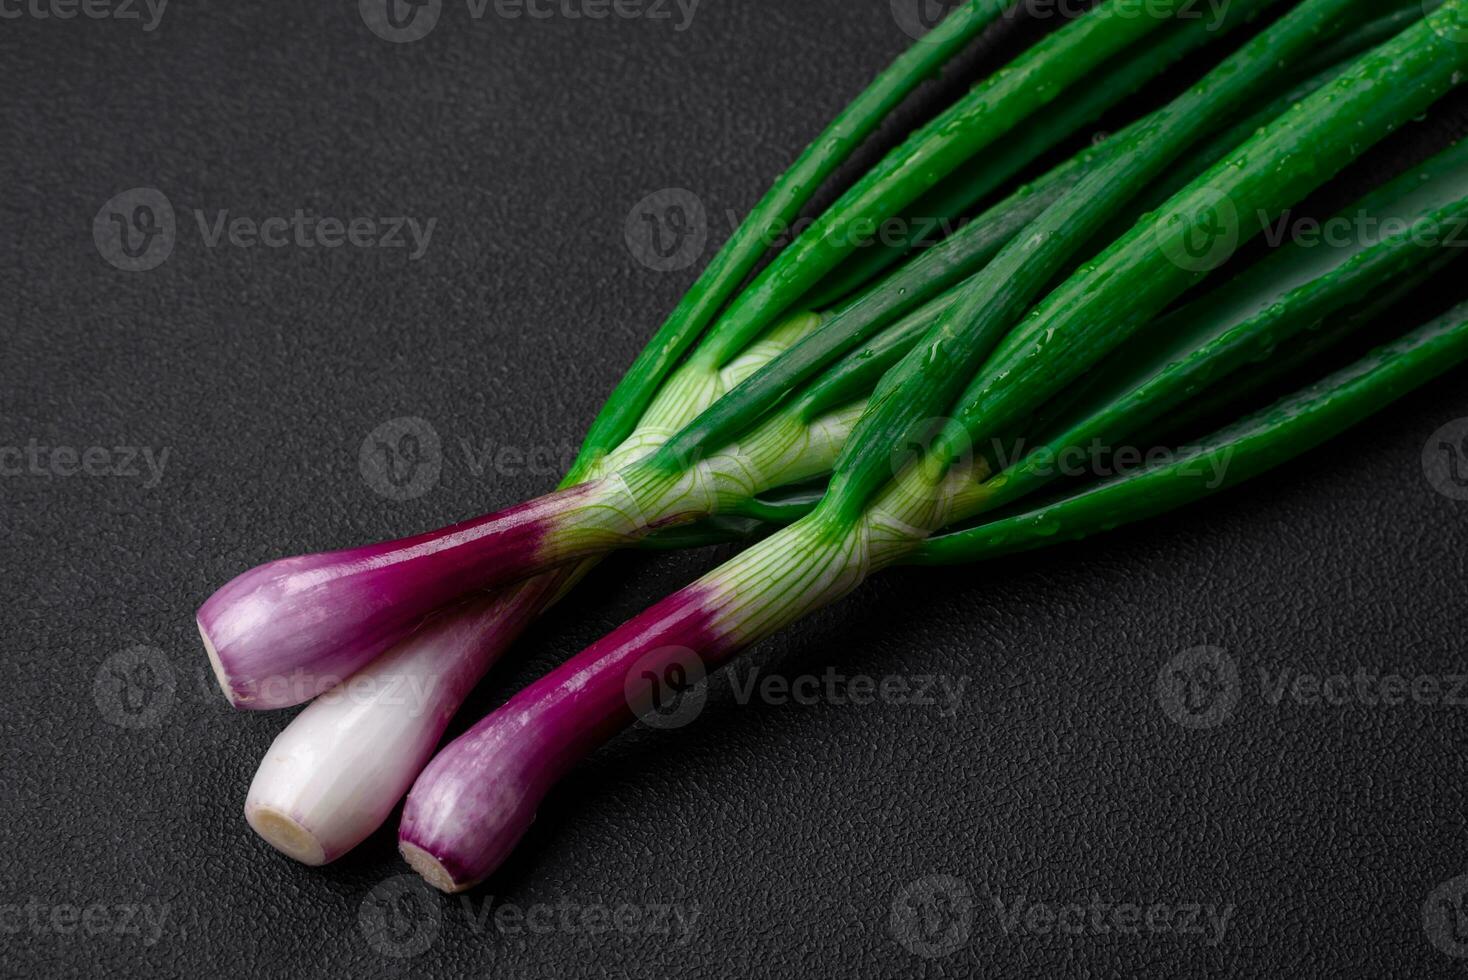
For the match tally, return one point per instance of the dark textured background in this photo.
(794, 830)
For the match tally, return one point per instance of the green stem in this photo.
(1253, 446)
(780, 206)
(1290, 291)
(1028, 84)
(925, 385)
(1294, 356)
(1096, 310)
(960, 192)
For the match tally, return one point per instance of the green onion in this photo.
(998, 104)
(1120, 77)
(876, 430)
(1246, 449)
(475, 800)
(925, 385)
(781, 204)
(1291, 291)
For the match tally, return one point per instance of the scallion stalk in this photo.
(779, 207)
(476, 798)
(301, 624)
(1241, 451)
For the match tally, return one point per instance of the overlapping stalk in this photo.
(335, 773)
(735, 397)
(478, 796)
(298, 625)
(401, 703)
(1254, 445)
(280, 658)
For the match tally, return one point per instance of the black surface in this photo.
(794, 830)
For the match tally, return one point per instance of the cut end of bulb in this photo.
(286, 835)
(219, 675)
(431, 870)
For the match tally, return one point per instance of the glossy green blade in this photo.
(929, 382)
(920, 282)
(1094, 312)
(1291, 290)
(1255, 445)
(1027, 85)
(780, 206)
(960, 192)
(1294, 356)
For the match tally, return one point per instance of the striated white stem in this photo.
(337, 770)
